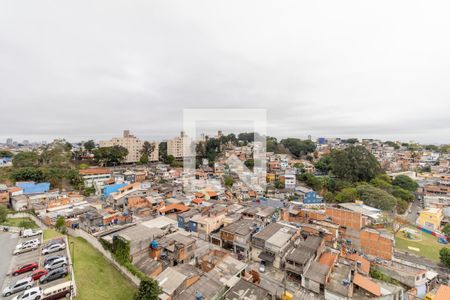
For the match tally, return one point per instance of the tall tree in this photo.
(354, 163)
(149, 289)
(89, 145)
(299, 147)
(406, 183)
(26, 159)
(146, 152)
(110, 155)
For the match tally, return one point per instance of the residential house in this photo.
(237, 236)
(271, 243)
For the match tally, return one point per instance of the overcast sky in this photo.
(89, 69)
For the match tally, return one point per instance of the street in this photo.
(8, 242)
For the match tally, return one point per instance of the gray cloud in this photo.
(81, 69)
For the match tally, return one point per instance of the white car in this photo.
(18, 286)
(25, 248)
(53, 248)
(31, 294)
(31, 232)
(35, 242)
(56, 263)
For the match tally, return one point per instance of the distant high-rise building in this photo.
(9, 142)
(133, 145)
(177, 147)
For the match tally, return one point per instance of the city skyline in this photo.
(320, 70)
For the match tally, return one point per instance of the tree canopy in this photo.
(299, 147)
(406, 183)
(376, 197)
(149, 289)
(6, 153)
(354, 163)
(110, 155)
(89, 145)
(444, 255)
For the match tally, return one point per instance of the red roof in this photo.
(367, 284)
(328, 259)
(176, 206)
(443, 293)
(197, 200)
(365, 264)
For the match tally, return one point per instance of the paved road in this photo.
(415, 208)
(8, 242)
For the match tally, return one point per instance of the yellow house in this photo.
(271, 177)
(431, 218)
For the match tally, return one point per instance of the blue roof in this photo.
(108, 189)
(30, 187)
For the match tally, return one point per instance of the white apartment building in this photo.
(178, 147)
(133, 145)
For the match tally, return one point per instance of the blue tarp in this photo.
(30, 187)
(108, 189)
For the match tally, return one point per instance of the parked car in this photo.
(18, 286)
(26, 248)
(25, 268)
(53, 248)
(29, 242)
(57, 263)
(55, 241)
(54, 274)
(262, 267)
(51, 258)
(38, 273)
(31, 294)
(58, 291)
(31, 232)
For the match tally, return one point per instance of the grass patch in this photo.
(20, 222)
(95, 277)
(51, 234)
(429, 246)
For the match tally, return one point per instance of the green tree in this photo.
(60, 224)
(351, 141)
(163, 151)
(28, 174)
(6, 153)
(146, 152)
(299, 147)
(271, 144)
(149, 289)
(402, 194)
(250, 163)
(347, 195)
(405, 182)
(324, 164)
(228, 181)
(278, 184)
(446, 229)
(89, 145)
(392, 144)
(444, 255)
(110, 155)
(354, 163)
(3, 214)
(376, 197)
(26, 159)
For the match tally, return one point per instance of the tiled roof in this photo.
(367, 284)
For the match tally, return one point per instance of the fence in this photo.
(97, 245)
(30, 216)
(94, 242)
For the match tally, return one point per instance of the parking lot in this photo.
(34, 256)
